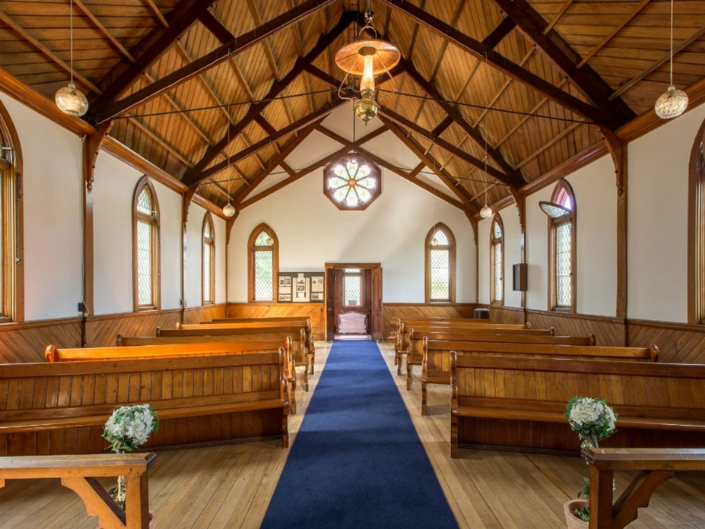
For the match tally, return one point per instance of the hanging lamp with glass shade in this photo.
(228, 209)
(674, 102)
(69, 99)
(366, 59)
(554, 211)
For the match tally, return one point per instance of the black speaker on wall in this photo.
(520, 277)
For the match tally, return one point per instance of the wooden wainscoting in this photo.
(608, 331)
(315, 311)
(101, 331)
(679, 343)
(25, 342)
(392, 311)
(506, 315)
(205, 313)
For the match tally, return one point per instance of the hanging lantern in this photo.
(229, 210)
(671, 104)
(71, 101)
(486, 212)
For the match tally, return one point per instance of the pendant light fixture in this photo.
(366, 58)
(486, 211)
(228, 209)
(70, 99)
(674, 102)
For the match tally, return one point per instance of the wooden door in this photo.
(376, 322)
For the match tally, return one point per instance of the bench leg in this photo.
(137, 502)
(423, 398)
(305, 381)
(292, 395)
(285, 430)
(311, 361)
(399, 365)
(453, 436)
(409, 375)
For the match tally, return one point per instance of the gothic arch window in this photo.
(696, 230)
(440, 265)
(145, 235)
(208, 261)
(561, 213)
(497, 261)
(11, 228)
(263, 264)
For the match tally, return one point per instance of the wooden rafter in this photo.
(567, 60)
(501, 63)
(152, 47)
(499, 33)
(257, 108)
(157, 12)
(244, 42)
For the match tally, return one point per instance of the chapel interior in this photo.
(352, 263)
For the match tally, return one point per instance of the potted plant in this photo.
(127, 429)
(593, 420)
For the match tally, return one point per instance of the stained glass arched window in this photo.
(146, 246)
(352, 182)
(208, 262)
(562, 218)
(440, 265)
(497, 261)
(263, 264)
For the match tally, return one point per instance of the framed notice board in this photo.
(301, 287)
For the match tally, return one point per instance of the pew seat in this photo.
(519, 403)
(60, 408)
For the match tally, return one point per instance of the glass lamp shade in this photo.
(71, 101)
(366, 109)
(229, 210)
(486, 212)
(671, 104)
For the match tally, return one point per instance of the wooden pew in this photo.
(150, 348)
(435, 366)
(79, 474)
(402, 345)
(60, 408)
(414, 348)
(215, 329)
(654, 466)
(304, 321)
(518, 403)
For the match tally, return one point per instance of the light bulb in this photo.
(229, 210)
(486, 212)
(71, 101)
(671, 104)
(367, 83)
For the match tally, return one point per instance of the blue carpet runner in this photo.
(357, 460)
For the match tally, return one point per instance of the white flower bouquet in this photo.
(592, 419)
(127, 429)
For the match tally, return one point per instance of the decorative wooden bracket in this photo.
(98, 502)
(473, 223)
(91, 148)
(618, 150)
(188, 198)
(229, 226)
(520, 202)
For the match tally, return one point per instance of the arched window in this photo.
(561, 212)
(11, 247)
(146, 246)
(263, 264)
(497, 261)
(696, 230)
(208, 264)
(440, 265)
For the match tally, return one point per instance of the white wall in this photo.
(53, 218)
(194, 257)
(658, 220)
(392, 231)
(483, 260)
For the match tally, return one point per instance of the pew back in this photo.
(299, 321)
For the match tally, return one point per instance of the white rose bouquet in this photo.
(127, 429)
(592, 419)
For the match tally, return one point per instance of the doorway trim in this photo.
(376, 323)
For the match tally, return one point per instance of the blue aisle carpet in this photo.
(357, 460)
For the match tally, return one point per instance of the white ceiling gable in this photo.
(276, 176)
(341, 122)
(312, 149)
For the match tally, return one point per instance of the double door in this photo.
(354, 288)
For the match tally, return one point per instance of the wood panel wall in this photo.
(506, 315)
(392, 311)
(25, 342)
(315, 311)
(679, 343)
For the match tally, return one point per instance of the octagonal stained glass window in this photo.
(352, 182)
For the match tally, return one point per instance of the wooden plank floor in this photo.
(230, 486)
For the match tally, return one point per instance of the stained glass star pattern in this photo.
(352, 182)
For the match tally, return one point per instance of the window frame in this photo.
(451, 247)
(553, 225)
(251, 250)
(143, 183)
(375, 174)
(494, 242)
(359, 274)
(696, 230)
(208, 245)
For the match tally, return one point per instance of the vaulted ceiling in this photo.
(490, 94)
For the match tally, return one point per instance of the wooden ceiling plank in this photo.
(157, 12)
(501, 63)
(154, 45)
(17, 28)
(115, 42)
(278, 87)
(553, 141)
(502, 30)
(210, 60)
(301, 51)
(660, 62)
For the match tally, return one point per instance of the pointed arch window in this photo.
(208, 264)
(263, 264)
(497, 260)
(146, 246)
(696, 230)
(561, 212)
(440, 265)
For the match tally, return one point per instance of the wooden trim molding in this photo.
(439, 226)
(153, 220)
(696, 229)
(251, 250)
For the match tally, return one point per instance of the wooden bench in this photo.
(519, 403)
(435, 366)
(79, 474)
(289, 321)
(221, 329)
(402, 344)
(151, 348)
(654, 466)
(60, 408)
